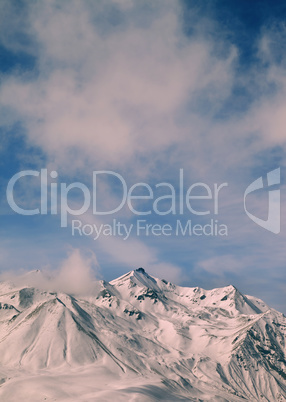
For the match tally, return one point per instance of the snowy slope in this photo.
(139, 338)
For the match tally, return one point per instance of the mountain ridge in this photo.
(188, 343)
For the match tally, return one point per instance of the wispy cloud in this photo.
(130, 85)
(118, 94)
(75, 275)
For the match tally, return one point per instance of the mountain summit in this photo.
(140, 337)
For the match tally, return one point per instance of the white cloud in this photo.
(220, 265)
(116, 95)
(75, 275)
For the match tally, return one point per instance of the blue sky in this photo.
(145, 89)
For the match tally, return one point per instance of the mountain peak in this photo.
(137, 279)
(141, 270)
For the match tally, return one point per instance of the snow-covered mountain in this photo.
(139, 338)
